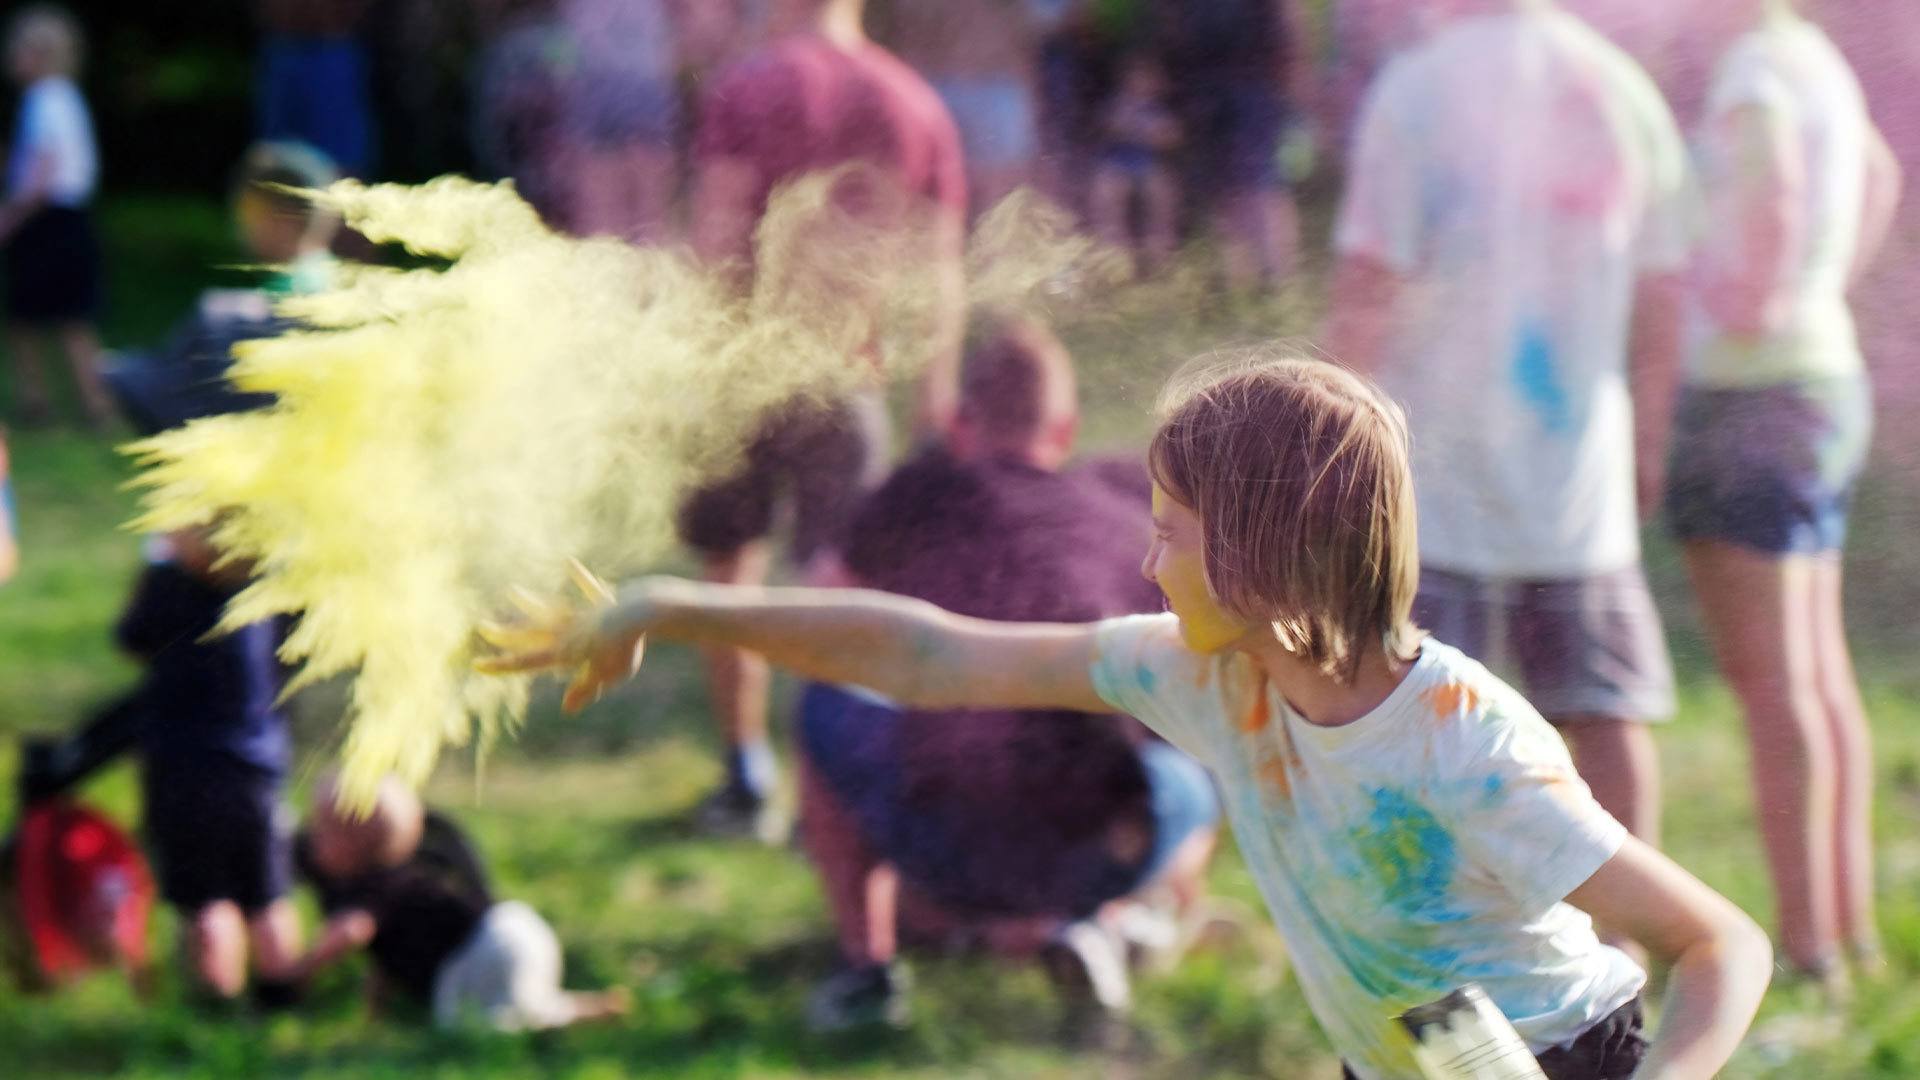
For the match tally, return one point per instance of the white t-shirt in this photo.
(1520, 173)
(1794, 76)
(1428, 844)
(55, 127)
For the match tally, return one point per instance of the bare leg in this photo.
(29, 378)
(216, 947)
(862, 892)
(1754, 606)
(274, 935)
(599, 1006)
(82, 347)
(1618, 760)
(738, 680)
(1852, 740)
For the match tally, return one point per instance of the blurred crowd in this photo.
(1523, 228)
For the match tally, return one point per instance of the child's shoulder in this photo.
(1469, 705)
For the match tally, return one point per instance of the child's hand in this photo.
(599, 642)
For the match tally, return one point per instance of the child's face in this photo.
(1176, 562)
(268, 232)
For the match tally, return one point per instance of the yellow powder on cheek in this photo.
(443, 433)
(1182, 577)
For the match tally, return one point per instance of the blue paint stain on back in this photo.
(1537, 378)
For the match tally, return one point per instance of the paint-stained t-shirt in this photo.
(1520, 174)
(1786, 77)
(1428, 844)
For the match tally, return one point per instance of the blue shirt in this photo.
(209, 699)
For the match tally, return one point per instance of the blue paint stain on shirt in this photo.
(1146, 677)
(1410, 853)
(1491, 787)
(1537, 378)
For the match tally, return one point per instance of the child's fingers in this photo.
(590, 584)
(518, 663)
(514, 637)
(585, 689)
(536, 607)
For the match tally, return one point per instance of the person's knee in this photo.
(216, 947)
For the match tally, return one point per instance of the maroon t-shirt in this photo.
(1003, 540)
(803, 104)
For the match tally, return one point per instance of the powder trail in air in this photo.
(442, 433)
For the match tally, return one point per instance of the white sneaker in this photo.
(1088, 963)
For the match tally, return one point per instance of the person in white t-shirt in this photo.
(1509, 246)
(52, 258)
(1413, 825)
(1799, 189)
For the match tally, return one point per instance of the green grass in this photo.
(720, 943)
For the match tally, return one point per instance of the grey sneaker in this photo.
(736, 814)
(857, 998)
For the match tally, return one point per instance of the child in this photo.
(280, 227)
(1413, 824)
(1141, 132)
(52, 259)
(404, 885)
(214, 751)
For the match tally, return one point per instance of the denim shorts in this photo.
(1770, 468)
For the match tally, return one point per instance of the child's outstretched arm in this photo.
(1721, 959)
(909, 650)
(345, 933)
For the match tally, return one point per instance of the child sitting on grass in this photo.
(1412, 823)
(403, 884)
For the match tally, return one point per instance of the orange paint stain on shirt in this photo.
(1449, 699)
(1274, 774)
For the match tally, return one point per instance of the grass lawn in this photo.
(720, 943)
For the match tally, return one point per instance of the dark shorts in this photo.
(813, 459)
(850, 741)
(53, 269)
(1234, 128)
(1771, 468)
(1609, 1050)
(218, 832)
(1582, 647)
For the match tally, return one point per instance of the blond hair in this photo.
(1298, 472)
(51, 31)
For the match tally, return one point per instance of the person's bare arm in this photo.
(1721, 960)
(908, 650)
(1757, 212)
(1885, 180)
(1654, 380)
(1365, 291)
(345, 933)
